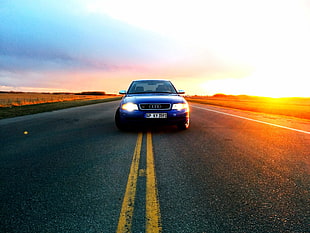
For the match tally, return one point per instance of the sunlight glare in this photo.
(259, 84)
(241, 33)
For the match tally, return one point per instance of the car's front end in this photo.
(152, 107)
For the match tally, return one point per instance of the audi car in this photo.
(152, 102)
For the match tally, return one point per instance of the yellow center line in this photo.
(152, 204)
(125, 218)
(153, 223)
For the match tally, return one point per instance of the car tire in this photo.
(184, 125)
(118, 122)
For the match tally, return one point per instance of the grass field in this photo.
(20, 99)
(294, 107)
(19, 104)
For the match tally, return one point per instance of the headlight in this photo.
(180, 106)
(130, 107)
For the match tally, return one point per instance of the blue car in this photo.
(152, 102)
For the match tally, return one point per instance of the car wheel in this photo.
(184, 125)
(118, 122)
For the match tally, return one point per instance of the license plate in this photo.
(156, 115)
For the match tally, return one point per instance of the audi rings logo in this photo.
(155, 106)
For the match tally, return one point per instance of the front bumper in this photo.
(138, 117)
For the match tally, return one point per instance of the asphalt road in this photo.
(231, 171)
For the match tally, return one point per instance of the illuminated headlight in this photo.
(130, 107)
(180, 106)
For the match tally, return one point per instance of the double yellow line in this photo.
(152, 211)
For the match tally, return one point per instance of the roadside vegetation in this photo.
(294, 107)
(12, 99)
(14, 104)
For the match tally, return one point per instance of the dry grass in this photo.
(295, 107)
(26, 103)
(21, 99)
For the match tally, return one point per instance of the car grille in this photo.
(155, 106)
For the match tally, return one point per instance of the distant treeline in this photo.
(220, 95)
(91, 93)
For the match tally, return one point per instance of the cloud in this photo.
(52, 38)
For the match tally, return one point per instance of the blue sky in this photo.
(41, 35)
(42, 38)
(202, 46)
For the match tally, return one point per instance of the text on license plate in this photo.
(156, 115)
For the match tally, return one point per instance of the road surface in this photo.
(231, 171)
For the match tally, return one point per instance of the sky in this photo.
(252, 47)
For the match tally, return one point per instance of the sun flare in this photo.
(259, 84)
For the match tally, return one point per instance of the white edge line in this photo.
(250, 119)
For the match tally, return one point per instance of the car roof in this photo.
(151, 80)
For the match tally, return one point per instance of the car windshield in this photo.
(151, 86)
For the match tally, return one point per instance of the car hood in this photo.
(154, 99)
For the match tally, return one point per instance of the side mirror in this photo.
(122, 92)
(181, 92)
